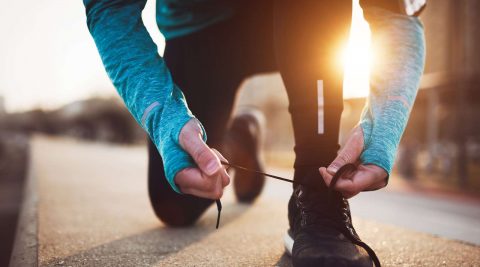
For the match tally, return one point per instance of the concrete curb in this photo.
(25, 247)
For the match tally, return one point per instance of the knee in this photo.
(177, 218)
(180, 214)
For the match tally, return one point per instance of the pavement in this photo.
(89, 207)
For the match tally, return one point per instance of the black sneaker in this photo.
(321, 231)
(242, 146)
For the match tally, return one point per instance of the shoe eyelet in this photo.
(350, 229)
(304, 216)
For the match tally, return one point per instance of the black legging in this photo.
(300, 39)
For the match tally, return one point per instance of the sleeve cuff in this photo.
(174, 157)
(381, 157)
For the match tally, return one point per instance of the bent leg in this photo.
(208, 66)
(170, 207)
(308, 39)
(209, 90)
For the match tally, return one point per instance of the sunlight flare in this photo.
(357, 57)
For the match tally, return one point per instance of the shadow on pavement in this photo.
(284, 261)
(150, 247)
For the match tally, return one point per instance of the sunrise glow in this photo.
(357, 57)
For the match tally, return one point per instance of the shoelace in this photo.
(344, 169)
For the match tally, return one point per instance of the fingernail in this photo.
(332, 169)
(212, 167)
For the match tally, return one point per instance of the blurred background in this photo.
(52, 82)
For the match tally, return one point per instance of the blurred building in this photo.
(449, 104)
(2, 106)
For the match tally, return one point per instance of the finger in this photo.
(218, 192)
(225, 175)
(351, 151)
(190, 178)
(193, 181)
(348, 187)
(203, 156)
(219, 155)
(327, 177)
(365, 178)
(222, 159)
(344, 180)
(215, 192)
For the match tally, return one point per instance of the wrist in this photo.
(379, 154)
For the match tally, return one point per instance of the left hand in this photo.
(365, 178)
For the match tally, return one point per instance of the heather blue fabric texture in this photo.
(141, 77)
(145, 84)
(394, 81)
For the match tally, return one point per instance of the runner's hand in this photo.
(365, 178)
(210, 177)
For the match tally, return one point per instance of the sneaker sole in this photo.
(248, 188)
(288, 243)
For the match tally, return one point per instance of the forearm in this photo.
(394, 83)
(140, 76)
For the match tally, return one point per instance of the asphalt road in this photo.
(449, 218)
(93, 210)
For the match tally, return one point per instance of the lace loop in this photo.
(350, 232)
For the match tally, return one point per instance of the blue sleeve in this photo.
(399, 43)
(141, 77)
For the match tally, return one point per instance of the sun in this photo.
(357, 57)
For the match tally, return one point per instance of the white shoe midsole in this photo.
(288, 243)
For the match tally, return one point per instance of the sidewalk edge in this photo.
(25, 247)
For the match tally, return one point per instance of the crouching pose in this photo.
(211, 47)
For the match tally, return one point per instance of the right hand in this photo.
(210, 177)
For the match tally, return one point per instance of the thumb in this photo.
(191, 140)
(351, 151)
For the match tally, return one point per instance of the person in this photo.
(211, 47)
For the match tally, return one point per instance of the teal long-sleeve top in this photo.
(394, 82)
(140, 76)
(144, 82)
